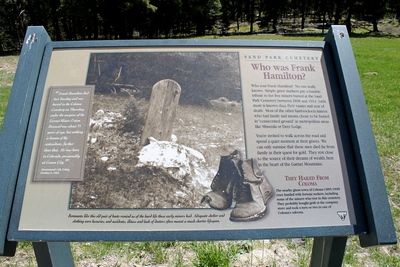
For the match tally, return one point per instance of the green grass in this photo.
(214, 254)
(4, 94)
(6, 79)
(382, 94)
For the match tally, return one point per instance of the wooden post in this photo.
(162, 111)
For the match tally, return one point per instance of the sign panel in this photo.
(255, 143)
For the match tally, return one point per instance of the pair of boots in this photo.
(241, 181)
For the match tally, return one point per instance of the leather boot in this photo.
(252, 194)
(221, 195)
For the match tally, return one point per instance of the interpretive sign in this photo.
(248, 140)
(268, 153)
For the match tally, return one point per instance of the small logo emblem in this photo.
(342, 215)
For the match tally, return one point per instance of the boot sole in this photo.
(254, 217)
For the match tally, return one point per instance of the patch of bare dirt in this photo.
(392, 28)
(9, 63)
(8, 66)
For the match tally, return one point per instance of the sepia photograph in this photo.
(160, 125)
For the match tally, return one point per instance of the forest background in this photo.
(127, 19)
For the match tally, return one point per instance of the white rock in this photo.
(178, 160)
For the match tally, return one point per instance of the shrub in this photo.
(135, 115)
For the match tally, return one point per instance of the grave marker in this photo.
(162, 111)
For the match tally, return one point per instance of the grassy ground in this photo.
(7, 71)
(378, 64)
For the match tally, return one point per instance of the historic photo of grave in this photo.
(132, 163)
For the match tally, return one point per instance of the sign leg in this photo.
(53, 254)
(9, 249)
(328, 251)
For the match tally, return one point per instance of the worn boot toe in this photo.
(219, 200)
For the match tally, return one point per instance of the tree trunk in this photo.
(251, 15)
(303, 13)
(375, 25)
(54, 18)
(348, 22)
(337, 13)
(274, 23)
